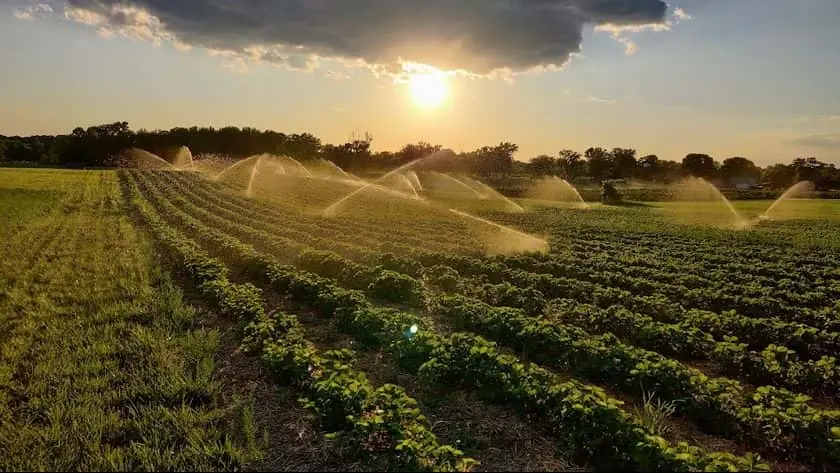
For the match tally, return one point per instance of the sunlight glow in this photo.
(429, 89)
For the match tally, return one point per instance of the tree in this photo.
(355, 154)
(671, 171)
(778, 176)
(543, 165)
(21, 149)
(736, 170)
(302, 146)
(413, 152)
(649, 168)
(823, 175)
(600, 162)
(624, 162)
(498, 159)
(700, 165)
(571, 164)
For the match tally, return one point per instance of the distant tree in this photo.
(599, 162)
(413, 152)
(670, 171)
(543, 165)
(823, 175)
(738, 169)
(96, 145)
(624, 163)
(494, 160)
(23, 150)
(447, 160)
(353, 155)
(700, 165)
(571, 164)
(117, 129)
(778, 176)
(521, 167)
(649, 168)
(302, 146)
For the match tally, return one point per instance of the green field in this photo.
(165, 320)
(102, 364)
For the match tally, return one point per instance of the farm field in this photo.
(102, 364)
(140, 308)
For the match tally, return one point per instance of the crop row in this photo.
(757, 332)
(770, 417)
(578, 258)
(674, 373)
(384, 284)
(775, 365)
(366, 242)
(768, 260)
(657, 305)
(442, 222)
(752, 298)
(344, 399)
(586, 420)
(719, 290)
(435, 234)
(693, 273)
(700, 252)
(707, 299)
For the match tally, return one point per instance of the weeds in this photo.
(655, 412)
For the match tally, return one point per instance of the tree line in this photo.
(97, 146)
(599, 164)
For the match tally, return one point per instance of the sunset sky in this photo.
(755, 78)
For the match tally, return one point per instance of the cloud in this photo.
(619, 31)
(818, 119)
(603, 100)
(336, 75)
(475, 36)
(29, 12)
(828, 140)
(681, 15)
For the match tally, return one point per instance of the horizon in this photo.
(695, 77)
(718, 161)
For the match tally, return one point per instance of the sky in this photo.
(753, 78)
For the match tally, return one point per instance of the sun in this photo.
(429, 89)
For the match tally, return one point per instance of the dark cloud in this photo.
(479, 36)
(829, 140)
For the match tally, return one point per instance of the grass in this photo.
(102, 363)
(655, 413)
(795, 209)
